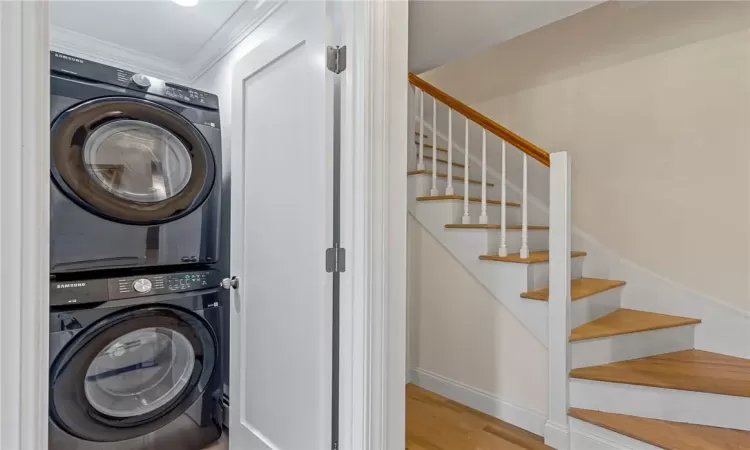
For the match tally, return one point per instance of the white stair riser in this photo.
(512, 213)
(594, 306)
(538, 239)
(443, 168)
(538, 274)
(725, 411)
(424, 185)
(624, 347)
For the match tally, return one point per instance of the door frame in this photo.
(24, 222)
(373, 289)
(373, 216)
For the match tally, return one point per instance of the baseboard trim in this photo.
(521, 417)
(556, 436)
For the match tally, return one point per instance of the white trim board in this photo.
(480, 400)
(237, 27)
(24, 222)
(724, 328)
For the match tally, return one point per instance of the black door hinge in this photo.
(335, 259)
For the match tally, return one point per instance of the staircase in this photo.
(622, 378)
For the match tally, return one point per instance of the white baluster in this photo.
(503, 250)
(434, 190)
(483, 217)
(524, 211)
(449, 188)
(466, 219)
(420, 163)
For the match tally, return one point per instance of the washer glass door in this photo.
(139, 372)
(131, 373)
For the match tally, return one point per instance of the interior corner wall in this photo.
(463, 340)
(653, 104)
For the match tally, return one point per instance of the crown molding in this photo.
(244, 21)
(233, 31)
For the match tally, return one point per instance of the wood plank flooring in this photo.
(435, 423)
(579, 288)
(688, 370)
(625, 321)
(667, 435)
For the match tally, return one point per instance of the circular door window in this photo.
(131, 160)
(139, 372)
(131, 373)
(137, 161)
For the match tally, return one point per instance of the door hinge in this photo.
(336, 58)
(335, 259)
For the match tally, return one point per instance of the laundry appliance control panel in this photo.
(106, 289)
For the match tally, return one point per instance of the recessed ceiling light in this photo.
(186, 3)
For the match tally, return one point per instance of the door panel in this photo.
(280, 365)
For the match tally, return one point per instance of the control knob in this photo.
(142, 285)
(141, 80)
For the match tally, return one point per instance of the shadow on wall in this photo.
(462, 340)
(652, 104)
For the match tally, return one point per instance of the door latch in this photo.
(228, 283)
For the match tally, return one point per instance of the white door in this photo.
(282, 189)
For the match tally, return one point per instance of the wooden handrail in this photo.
(481, 120)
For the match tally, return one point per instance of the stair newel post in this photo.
(420, 163)
(559, 322)
(503, 250)
(466, 219)
(449, 188)
(483, 216)
(524, 210)
(434, 190)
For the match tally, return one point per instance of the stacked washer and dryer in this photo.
(137, 256)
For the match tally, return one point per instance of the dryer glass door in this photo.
(131, 160)
(137, 161)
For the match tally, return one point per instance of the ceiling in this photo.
(159, 38)
(446, 31)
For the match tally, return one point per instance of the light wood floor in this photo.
(436, 423)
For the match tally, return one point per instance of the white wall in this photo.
(460, 332)
(652, 104)
(218, 80)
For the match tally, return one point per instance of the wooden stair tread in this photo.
(579, 288)
(665, 434)
(687, 370)
(626, 321)
(534, 257)
(443, 175)
(445, 161)
(461, 197)
(494, 226)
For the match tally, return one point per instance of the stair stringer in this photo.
(505, 281)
